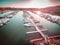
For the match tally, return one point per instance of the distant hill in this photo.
(55, 10)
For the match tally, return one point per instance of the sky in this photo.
(29, 3)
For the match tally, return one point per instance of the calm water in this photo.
(14, 30)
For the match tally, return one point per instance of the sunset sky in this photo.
(29, 3)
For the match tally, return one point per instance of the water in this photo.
(15, 31)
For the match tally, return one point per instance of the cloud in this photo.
(55, 0)
(29, 3)
(13, 1)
